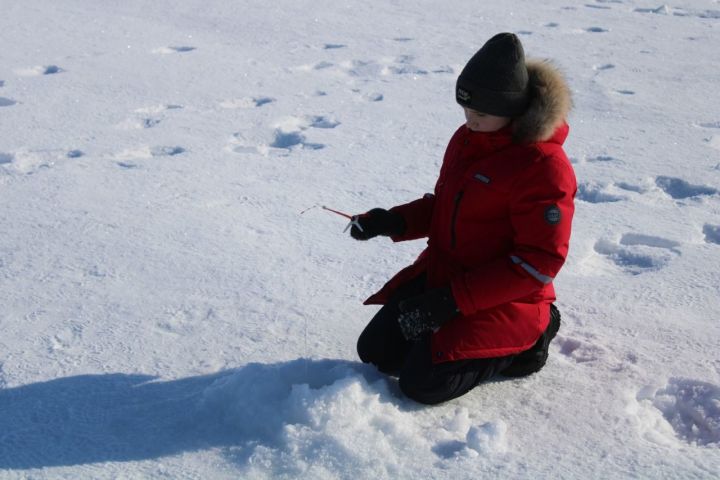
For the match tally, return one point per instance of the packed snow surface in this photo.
(176, 304)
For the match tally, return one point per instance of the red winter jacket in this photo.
(498, 227)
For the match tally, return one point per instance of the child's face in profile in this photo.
(482, 122)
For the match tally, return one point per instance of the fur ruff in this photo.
(550, 103)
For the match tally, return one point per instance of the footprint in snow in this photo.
(146, 152)
(592, 353)
(163, 151)
(7, 102)
(369, 97)
(29, 162)
(288, 135)
(597, 193)
(710, 14)
(679, 189)
(157, 109)
(64, 339)
(147, 117)
(323, 65)
(139, 123)
(373, 97)
(580, 351)
(39, 70)
(404, 65)
(661, 10)
(685, 408)
(602, 158)
(246, 102)
(184, 320)
(149, 122)
(681, 12)
(401, 65)
(322, 122)
(712, 233)
(444, 69)
(630, 187)
(603, 67)
(709, 125)
(637, 253)
(173, 49)
(6, 158)
(288, 140)
(127, 165)
(51, 70)
(714, 140)
(596, 30)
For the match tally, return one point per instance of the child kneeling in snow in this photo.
(478, 300)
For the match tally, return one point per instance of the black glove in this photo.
(426, 312)
(377, 221)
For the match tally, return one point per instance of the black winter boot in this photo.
(533, 360)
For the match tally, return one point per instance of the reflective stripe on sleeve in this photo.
(544, 279)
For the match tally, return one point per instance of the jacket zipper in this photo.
(453, 234)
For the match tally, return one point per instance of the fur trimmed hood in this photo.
(550, 103)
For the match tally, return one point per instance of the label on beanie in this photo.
(463, 95)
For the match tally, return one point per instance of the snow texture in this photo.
(174, 305)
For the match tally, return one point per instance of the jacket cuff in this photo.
(417, 215)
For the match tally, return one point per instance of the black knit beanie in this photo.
(495, 80)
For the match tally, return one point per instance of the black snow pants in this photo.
(382, 344)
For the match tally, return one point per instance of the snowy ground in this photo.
(168, 312)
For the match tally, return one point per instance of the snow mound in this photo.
(488, 438)
(316, 419)
(323, 419)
